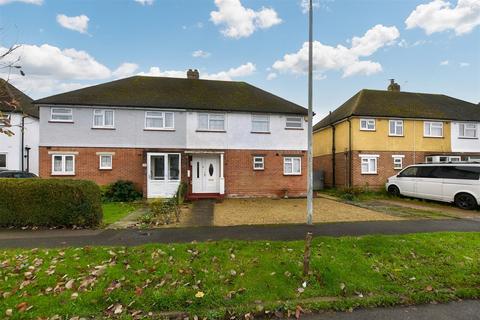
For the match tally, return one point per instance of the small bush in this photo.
(181, 193)
(165, 210)
(121, 191)
(49, 203)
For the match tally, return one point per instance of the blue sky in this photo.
(427, 46)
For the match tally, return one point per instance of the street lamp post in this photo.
(310, 116)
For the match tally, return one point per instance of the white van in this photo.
(455, 182)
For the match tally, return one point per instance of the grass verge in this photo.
(222, 279)
(114, 211)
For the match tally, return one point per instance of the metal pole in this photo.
(310, 116)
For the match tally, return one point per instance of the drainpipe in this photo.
(350, 178)
(22, 128)
(334, 166)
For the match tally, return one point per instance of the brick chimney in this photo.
(193, 74)
(393, 86)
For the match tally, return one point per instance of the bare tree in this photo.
(7, 98)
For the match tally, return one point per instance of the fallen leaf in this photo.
(138, 291)
(22, 306)
(74, 296)
(118, 309)
(69, 284)
(199, 294)
(8, 312)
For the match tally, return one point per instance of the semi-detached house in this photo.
(376, 133)
(223, 138)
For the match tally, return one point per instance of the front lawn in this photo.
(114, 211)
(222, 279)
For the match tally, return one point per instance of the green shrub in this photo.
(165, 210)
(181, 193)
(49, 203)
(122, 191)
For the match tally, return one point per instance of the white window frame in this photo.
(63, 172)
(166, 168)
(366, 159)
(52, 114)
(430, 125)
(291, 160)
(298, 120)
(101, 112)
(6, 159)
(100, 167)
(474, 158)
(159, 115)
(463, 128)
(209, 114)
(455, 159)
(364, 124)
(263, 118)
(397, 124)
(258, 160)
(398, 162)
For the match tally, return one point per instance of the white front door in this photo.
(206, 174)
(163, 174)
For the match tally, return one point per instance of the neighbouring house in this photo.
(376, 133)
(223, 138)
(20, 150)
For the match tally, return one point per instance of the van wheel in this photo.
(394, 191)
(465, 201)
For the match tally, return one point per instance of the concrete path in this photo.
(462, 310)
(132, 237)
(202, 213)
(128, 221)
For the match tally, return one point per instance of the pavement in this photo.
(133, 237)
(461, 310)
(202, 213)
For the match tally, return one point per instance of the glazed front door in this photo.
(206, 174)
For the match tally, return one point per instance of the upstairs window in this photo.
(159, 120)
(395, 127)
(433, 129)
(260, 123)
(103, 118)
(468, 130)
(367, 124)
(61, 115)
(293, 122)
(211, 121)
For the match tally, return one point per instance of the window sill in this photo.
(57, 121)
(259, 169)
(293, 128)
(370, 174)
(435, 137)
(369, 130)
(62, 174)
(468, 138)
(292, 174)
(260, 132)
(105, 169)
(397, 135)
(214, 131)
(154, 129)
(103, 128)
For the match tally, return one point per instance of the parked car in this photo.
(16, 174)
(455, 182)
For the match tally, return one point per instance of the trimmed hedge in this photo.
(49, 203)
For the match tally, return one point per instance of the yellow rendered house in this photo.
(377, 133)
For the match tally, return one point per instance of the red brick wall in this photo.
(342, 170)
(241, 180)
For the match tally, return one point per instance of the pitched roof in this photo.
(7, 91)
(380, 103)
(161, 92)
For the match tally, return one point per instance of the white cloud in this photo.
(77, 23)
(241, 71)
(240, 21)
(327, 57)
(272, 75)
(145, 2)
(126, 69)
(444, 63)
(439, 15)
(37, 2)
(464, 64)
(200, 54)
